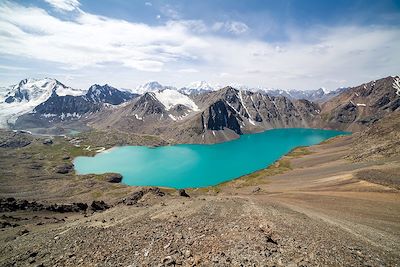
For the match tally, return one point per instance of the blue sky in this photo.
(274, 44)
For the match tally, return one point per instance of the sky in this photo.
(286, 44)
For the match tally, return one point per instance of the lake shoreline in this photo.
(200, 161)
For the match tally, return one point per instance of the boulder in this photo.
(114, 178)
(64, 168)
(256, 190)
(74, 207)
(136, 196)
(12, 204)
(183, 193)
(47, 141)
(99, 205)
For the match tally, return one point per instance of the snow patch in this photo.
(170, 98)
(361, 105)
(49, 115)
(172, 117)
(138, 118)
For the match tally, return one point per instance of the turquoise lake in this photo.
(185, 166)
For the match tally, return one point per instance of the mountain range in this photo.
(194, 114)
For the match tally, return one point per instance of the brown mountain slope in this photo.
(382, 140)
(228, 113)
(362, 105)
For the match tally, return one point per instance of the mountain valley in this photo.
(306, 209)
(207, 116)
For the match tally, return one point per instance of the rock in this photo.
(136, 196)
(187, 253)
(66, 157)
(156, 191)
(47, 141)
(23, 232)
(33, 254)
(99, 205)
(4, 224)
(168, 261)
(14, 139)
(64, 168)
(14, 143)
(183, 193)
(11, 204)
(36, 166)
(114, 178)
(74, 207)
(256, 190)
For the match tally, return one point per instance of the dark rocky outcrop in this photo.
(147, 105)
(136, 196)
(12, 204)
(221, 115)
(183, 193)
(10, 139)
(99, 205)
(47, 141)
(345, 114)
(62, 208)
(64, 168)
(62, 106)
(5, 224)
(108, 94)
(113, 178)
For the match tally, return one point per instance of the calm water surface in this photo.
(184, 166)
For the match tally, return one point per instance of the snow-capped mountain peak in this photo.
(326, 91)
(196, 88)
(200, 85)
(27, 94)
(36, 89)
(151, 87)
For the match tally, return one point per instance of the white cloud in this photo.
(170, 12)
(148, 4)
(64, 5)
(320, 56)
(7, 67)
(93, 40)
(188, 70)
(235, 27)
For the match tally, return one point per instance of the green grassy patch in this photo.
(299, 152)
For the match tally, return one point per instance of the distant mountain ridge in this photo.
(228, 113)
(49, 100)
(318, 95)
(200, 116)
(200, 87)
